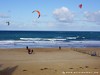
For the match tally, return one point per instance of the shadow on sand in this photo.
(8, 70)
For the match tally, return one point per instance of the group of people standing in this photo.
(30, 51)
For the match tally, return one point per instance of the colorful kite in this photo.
(80, 6)
(37, 12)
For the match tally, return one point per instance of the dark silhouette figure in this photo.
(26, 47)
(8, 70)
(30, 51)
(59, 47)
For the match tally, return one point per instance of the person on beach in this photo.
(30, 51)
(27, 47)
(59, 47)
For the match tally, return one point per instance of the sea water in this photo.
(49, 39)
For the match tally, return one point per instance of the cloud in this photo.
(63, 14)
(93, 17)
(4, 16)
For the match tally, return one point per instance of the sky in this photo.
(56, 15)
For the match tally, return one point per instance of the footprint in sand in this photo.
(55, 70)
(86, 66)
(41, 69)
(95, 68)
(71, 68)
(44, 69)
(24, 70)
(81, 67)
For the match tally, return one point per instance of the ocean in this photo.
(49, 39)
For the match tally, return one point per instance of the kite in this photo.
(8, 23)
(80, 6)
(37, 12)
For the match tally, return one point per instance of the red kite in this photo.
(80, 6)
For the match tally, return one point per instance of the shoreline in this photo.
(49, 43)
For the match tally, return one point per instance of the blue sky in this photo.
(56, 15)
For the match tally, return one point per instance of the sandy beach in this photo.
(49, 61)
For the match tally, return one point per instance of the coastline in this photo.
(48, 61)
(49, 39)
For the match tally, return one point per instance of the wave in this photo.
(42, 39)
(54, 39)
(5, 42)
(72, 38)
(30, 39)
(35, 40)
(44, 44)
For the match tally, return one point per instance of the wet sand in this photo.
(49, 61)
